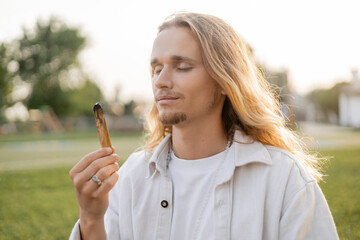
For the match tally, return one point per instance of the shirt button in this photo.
(164, 203)
(219, 204)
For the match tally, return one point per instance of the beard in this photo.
(172, 118)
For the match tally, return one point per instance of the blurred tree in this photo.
(47, 58)
(6, 84)
(129, 108)
(84, 98)
(327, 100)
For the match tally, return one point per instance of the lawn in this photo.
(37, 200)
(342, 190)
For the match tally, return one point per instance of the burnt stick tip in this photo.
(97, 106)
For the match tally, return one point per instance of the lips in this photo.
(159, 98)
(164, 99)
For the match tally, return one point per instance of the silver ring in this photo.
(96, 180)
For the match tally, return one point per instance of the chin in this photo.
(172, 118)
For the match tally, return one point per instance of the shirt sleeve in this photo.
(75, 233)
(112, 232)
(306, 215)
(111, 227)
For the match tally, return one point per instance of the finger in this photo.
(89, 158)
(90, 186)
(95, 166)
(107, 171)
(106, 186)
(102, 175)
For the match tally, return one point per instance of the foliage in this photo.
(6, 85)
(327, 99)
(52, 46)
(47, 59)
(129, 107)
(84, 98)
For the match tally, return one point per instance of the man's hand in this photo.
(93, 197)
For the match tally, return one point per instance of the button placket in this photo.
(222, 211)
(165, 209)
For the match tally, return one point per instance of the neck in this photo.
(199, 140)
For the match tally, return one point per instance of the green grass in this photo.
(342, 190)
(38, 201)
(37, 204)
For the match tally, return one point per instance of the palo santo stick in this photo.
(101, 126)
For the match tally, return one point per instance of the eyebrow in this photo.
(175, 58)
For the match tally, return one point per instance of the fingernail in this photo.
(109, 150)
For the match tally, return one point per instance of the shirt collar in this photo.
(157, 161)
(244, 150)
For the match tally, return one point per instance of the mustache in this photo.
(167, 93)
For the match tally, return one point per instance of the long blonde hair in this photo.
(250, 104)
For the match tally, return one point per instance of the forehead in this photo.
(175, 41)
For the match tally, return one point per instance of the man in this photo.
(219, 162)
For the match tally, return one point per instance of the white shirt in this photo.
(193, 202)
(263, 193)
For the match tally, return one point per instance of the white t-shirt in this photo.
(193, 203)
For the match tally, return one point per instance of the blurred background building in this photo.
(349, 102)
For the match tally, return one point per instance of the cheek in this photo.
(192, 90)
(199, 89)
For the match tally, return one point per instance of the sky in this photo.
(316, 41)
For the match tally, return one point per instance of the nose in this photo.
(164, 79)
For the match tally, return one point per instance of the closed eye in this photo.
(157, 69)
(183, 66)
(184, 69)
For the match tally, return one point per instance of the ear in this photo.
(223, 92)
